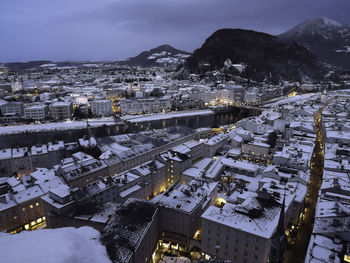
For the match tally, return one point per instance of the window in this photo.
(256, 248)
(245, 253)
(255, 257)
(31, 206)
(246, 244)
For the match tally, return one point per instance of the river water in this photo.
(194, 122)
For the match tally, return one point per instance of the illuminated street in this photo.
(298, 240)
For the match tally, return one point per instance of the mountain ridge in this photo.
(328, 39)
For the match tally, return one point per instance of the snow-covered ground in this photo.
(61, 245)
(296, 98)
(56, 126)
(164, 116)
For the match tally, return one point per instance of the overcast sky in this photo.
(61, 30)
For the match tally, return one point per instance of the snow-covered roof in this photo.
(186, 197)
(28, 194)
(237, 217)
(130, 190)
(323, 249)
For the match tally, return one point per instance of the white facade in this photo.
(231, 233)
(61, 110)
(14, 108)
(16, 86)
(46, 96)
(213, 144)
(101, 107)
(128, 106)
(256, 148)
(36, 112)
(252, 96)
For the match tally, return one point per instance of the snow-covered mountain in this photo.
(329, 40)
(163, 55)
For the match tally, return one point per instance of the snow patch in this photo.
(69, 245)
(346, 50)
(330, 22)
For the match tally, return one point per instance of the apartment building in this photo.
(36, 112)
(101, 107)
(61, 110)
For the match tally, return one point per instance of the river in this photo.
(194, 122)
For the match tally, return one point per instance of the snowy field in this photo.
(55, 126)
(61, 245)
(164, 116)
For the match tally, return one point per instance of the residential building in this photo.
(244, 233)
(36, 112)
(61, 110)
(145, 105)
(101, 107)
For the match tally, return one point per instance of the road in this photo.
(296, 250)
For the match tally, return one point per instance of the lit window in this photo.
(37, 204)
(26, 227)
(23, 209)
(31, 206)
(15, 217)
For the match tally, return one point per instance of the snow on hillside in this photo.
(61, 245)
(168, 58)
(330, 22)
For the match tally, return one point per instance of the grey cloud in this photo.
(100, 30)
